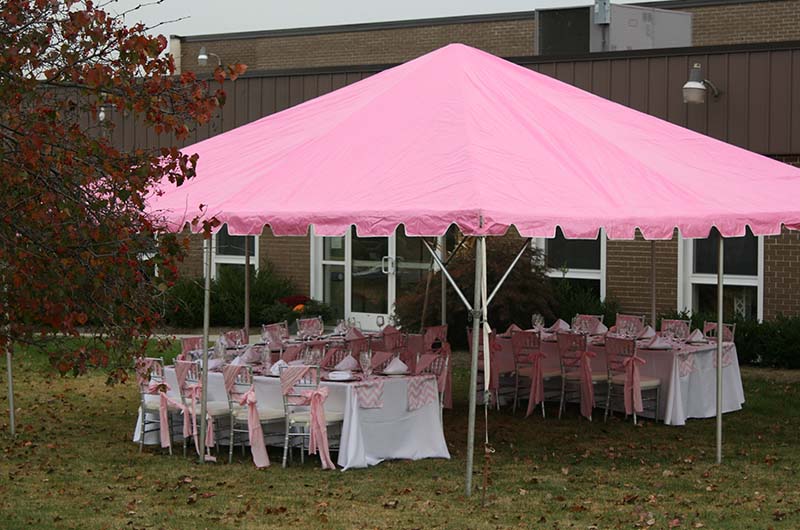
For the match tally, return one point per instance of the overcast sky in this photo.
(222, 16)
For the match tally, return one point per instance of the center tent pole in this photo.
(247, 286)
(206, 325)
(653, 284)
(477, 315)
(720, 341)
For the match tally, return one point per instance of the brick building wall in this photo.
(782, 267)
(628, 270)
(742, 22)
(334, 47)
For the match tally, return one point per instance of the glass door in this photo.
(371, 274)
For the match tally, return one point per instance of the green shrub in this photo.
(572, 298)
(183, 302)
(527, 290)
(772, 343)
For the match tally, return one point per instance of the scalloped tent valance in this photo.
(460, 136)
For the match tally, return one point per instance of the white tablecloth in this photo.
(688, 377)
(368, 436)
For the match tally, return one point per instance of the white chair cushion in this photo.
(596, 376)
(214, 408)
(305, 417)
(154, 405)
(646, 382)
(264, 414)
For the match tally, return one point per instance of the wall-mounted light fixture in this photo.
(203, 55)
(694, 91)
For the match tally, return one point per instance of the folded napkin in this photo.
(252, 354)
(396, 366)
(340, 375)
(697, 337)
(560, 325)
(600, 329)
(275, 369)
(214, 364)
(511, 329)
(237, 361)
(658, 343)
(647, 333)
(353, 333)
(348, 363)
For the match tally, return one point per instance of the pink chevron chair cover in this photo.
(315, 398)
(309, 327)
(633, 324)
(188, 345)
(679, 328)
(192, 392)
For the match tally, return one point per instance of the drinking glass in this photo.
(537, 321)
(380, 321)
(365, 359)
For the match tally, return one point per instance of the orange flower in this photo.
(298, 308)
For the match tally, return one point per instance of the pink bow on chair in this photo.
(587, 389)
(318, 441)
(633, 384)
(194, 392)
(257, 446)
(163, 410)
(537, 383)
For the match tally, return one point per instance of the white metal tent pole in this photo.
(720, 341)
(247, 286)
(653, 284)
(473, 372)
(206, 325)
(12, 423)
(443, 257)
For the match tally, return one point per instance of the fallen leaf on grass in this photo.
(192, 499)
(391, 504)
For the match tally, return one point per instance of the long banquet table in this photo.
(687, 374)
(369, 435)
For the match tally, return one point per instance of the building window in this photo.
(333, 274)
(229, 251)
(743, 275)
(579, 261)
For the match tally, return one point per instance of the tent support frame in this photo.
(206, 324)
(479, 312)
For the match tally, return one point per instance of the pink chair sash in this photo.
(255, 432)
(587, 389)
(164, 402)
(229, 373)
(633, 384)
(318, 441)
(290, 376)
(537, 381)
(194, 393)
(327, 360)
(181, 369)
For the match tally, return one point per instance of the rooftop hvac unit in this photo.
(609, 27)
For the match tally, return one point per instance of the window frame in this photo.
(687, 278)
(227, 259)
(578, 274)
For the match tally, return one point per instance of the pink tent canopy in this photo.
(459, 134)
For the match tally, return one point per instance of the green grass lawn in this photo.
(73, 465)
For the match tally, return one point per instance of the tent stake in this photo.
(720, 341)
(12, 422)
(206, 324)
